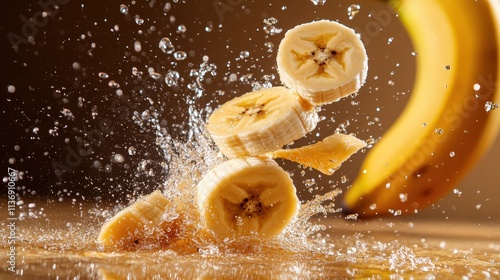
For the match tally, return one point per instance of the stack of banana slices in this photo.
(250, 195)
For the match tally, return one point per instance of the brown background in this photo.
(46, 82)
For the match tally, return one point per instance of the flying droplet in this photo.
(318, 2)
(180, 55)
(490, 106)
(139, 20)
(353, 10)
(113, 84)
(103, 75)
(166, 45)
(124, 9)
(244, 54)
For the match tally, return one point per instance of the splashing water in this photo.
(163, 74)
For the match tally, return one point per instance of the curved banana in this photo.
(445, 128)
(140, 225)
(247, 197)
(261, 121)
(323, 61)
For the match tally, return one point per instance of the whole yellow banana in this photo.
(445, 127)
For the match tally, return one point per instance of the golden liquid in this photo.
(65, 248)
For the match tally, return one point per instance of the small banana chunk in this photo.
(247, 197)
(141, 224)
(261, 121)
(325, 156)
(323, 61)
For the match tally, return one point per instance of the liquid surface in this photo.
(65, 248)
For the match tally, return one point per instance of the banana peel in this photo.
(444, 129)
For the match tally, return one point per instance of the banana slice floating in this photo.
(325, 156)
(140, 224)
(323, 61)
(261, 121)
(247, 197)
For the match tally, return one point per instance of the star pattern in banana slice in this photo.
(250, 196)
(323, 61)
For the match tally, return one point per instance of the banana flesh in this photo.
(140, 225)
(444, 129)
(325, 156)
(323, 61)
(250, 196)
(261, 121)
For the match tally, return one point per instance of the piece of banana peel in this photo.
(413, 166)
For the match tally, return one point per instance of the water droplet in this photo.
(476, 87)
(403, 197)
(166, 45)
(414, 53)
(103, 75)
(167, 7)
(76, 65)
(171, 78)
(269, 46)
(124, 9)
(478, 206)
(137, 46)
(181, 28)
(118, 158)
(11, 89)
(390, 40)
(180, 55)
(490, 106)
(343, 179)
(373, 206)
(353, 217)
(132, 150)
(36, 130)
(136, 72)
(447, 67)
(113, 84)
(452, 154)
(318, 2)
(155, 76)
(209, 27)
(244, 54)
(439, 131)
(139, 20)
(353, 10)
(269, 27)
(309, 183)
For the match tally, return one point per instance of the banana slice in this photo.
(141, 224)
(247, 197)
(261, 121)
(323, 61)
(325, 156)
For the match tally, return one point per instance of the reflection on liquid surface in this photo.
(63, 247)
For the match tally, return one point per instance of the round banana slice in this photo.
(323, 61)
(247, 197)
(261, 121)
